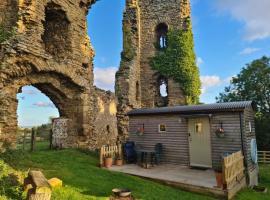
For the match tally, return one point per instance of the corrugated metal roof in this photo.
(203, 108)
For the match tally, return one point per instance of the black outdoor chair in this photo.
(158, 153)
(130, 153)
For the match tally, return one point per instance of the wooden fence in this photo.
(264, 157)
(113, 151)
(233, 169)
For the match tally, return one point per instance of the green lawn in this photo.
(83, 180)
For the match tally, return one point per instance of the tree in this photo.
(253, 83)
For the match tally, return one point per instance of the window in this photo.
(161, 32)
(250, 126)
(162, 128)
(198, 127)
(163, 86)
(137, 91)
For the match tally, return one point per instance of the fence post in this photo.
(51, 139)
(33, 139)
(119, 149)
(101, 157)
(24, 132)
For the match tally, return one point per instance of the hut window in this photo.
(162, 128)
(161, 32)
(198, 127)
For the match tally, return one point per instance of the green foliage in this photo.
(253, 83)
(10, 186)
(4, 34)
(178, 61)
(83, 180)
(129, 51)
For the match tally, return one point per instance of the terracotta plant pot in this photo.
(108, 162)
(219, 179)
(119, 162)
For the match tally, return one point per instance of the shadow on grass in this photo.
(79, 171)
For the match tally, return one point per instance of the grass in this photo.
(83, 180)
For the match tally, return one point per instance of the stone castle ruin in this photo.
(145, 27)
(44, 43)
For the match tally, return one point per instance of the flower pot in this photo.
(219, 179)
(119, 162)
(108, 162)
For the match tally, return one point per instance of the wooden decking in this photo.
(194, 180)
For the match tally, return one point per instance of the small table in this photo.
(146, 155)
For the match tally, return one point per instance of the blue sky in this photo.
(227, 33)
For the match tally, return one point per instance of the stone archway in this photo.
(55, 58)
(71, 100)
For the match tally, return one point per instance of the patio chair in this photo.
(130, 153)
(158, 152)
(139, 154)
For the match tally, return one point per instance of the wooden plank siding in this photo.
(248, 136)
(175, 140)
(231, 143)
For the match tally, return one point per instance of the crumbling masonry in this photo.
(44, 43)
(49, 48)
(145, 25)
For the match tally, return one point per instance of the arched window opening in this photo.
(161, 32)
(108, 129)
(137, 91)
(161, 92)
(163, 87)
(56, 31)
(35, 109)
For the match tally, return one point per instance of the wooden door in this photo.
(200, 142)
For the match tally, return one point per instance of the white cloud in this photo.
(253, 13)
(30, 92)
(105, 77)
(213, 81)
(199, 61)
(44, 104)
(249, 50)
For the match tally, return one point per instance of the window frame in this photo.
(159, 128)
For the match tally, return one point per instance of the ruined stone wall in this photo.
(50, 50)
(106, 121)
(137, 85)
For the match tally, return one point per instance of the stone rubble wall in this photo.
(137, 84)
(29, 59)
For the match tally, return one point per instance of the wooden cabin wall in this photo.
(231, 143)
(175, 140)
(248, 136)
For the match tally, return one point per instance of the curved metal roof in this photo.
(203, 108)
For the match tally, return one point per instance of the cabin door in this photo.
(200, 142)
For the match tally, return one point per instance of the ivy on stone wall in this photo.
(178, 61)
(4, 34)
(129, 51)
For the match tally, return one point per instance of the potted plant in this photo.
(219, 177)
(108, 161)
(220, 131)
(118, 160)
(140, 131)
